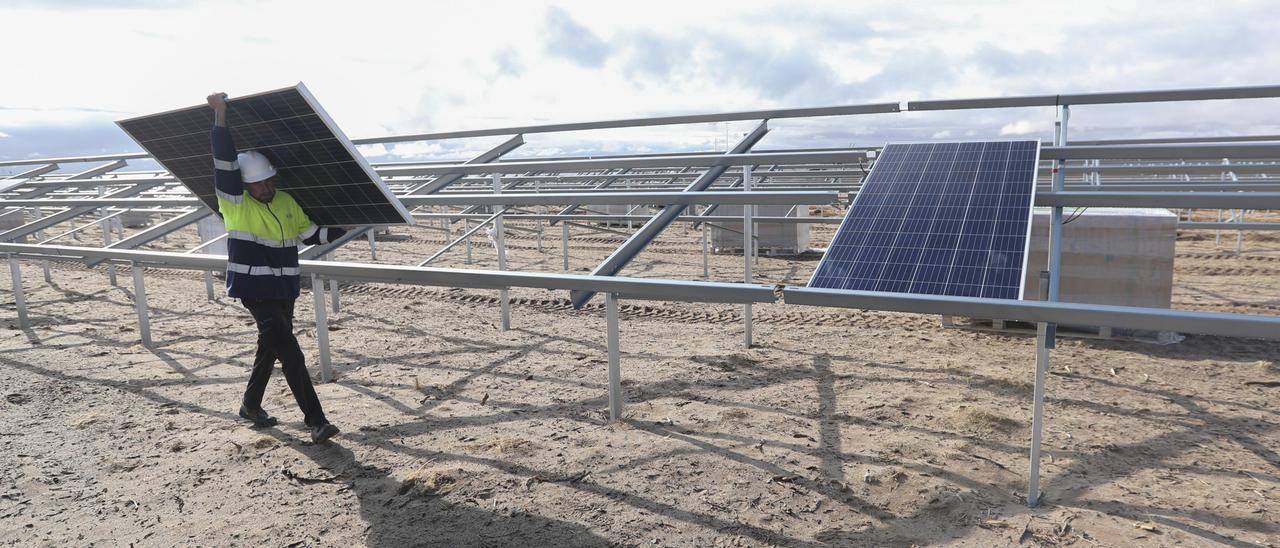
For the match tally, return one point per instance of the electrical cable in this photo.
(1076, 214)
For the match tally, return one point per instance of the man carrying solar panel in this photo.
(264, 227)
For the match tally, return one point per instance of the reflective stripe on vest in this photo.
(251, 237)
(262, 270)
(229, 197)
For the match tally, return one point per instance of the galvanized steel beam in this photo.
(1127, 317)
(638, 241)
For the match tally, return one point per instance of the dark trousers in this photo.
(276, 341)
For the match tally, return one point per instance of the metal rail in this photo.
(1162, 152)
(1249, 92)
(641, 218)
(1212, 200)
(1152, 319)
(683, 160)
(808, 112)
(558, 198)
(1156, 319)
(1211, 225)
(76, 159)
(652, 228)
(1202, 94)
(637, 288)
(1067, 198)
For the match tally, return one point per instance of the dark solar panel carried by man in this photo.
(264, 227)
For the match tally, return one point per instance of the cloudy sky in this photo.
(381, 68)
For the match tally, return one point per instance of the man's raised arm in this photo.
(226, 173)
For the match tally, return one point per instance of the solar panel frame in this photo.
(892, 157)
(302, 147)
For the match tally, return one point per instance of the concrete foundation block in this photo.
(1116, 256)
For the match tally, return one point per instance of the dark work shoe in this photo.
(323, 432)
(259, 418)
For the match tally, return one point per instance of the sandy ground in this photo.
(840, 427)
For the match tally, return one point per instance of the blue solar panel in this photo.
(938, 218)
(315, 162)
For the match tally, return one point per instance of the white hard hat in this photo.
(254, 167)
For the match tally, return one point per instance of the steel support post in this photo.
(106, 238)
(564, 244)
(322, 328)
(748, 251)
(1045, 341)
(1055, 230)
(333, 297)
(615, 370)
(334, 302)
(208, 285)
(1217, 234)
(504, 297)
(19, 299)
(1037, 399)
(373, 247)
(39, 214)
(48, 277)
(466, 236)
(706, 261)
(1240, 234)
(140, 303)
(539, 235)
(467, 226)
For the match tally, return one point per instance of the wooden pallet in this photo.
(1072, 331)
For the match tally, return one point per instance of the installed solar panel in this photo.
(938, 218)
(314, 161)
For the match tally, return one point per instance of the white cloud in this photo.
(3, 135)
(416, 150)
(372, 150)
(1020, 127)
(53, 116)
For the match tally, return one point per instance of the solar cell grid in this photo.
(938, 218)
(314, 160)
